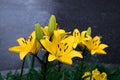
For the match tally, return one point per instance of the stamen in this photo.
(95, 44)
(24, 42)
(60, 49)
(65, 44)
(25, 39)
(58, 46)
(95, 41)
(64, 50)
(77, 33)
(30, 38)
(67, 47)
(86, 40)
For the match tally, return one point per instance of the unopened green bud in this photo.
(89, 31)
(52, 24)
(38, 31)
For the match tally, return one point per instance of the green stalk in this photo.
(22, 67)
(90, 75)
(82, 61)
(28, 61)
(39, 60)
(59, 66)
(33, 61)
(45, 66)
(84, 53)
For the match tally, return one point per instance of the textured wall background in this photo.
(17, 19)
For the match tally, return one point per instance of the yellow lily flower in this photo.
(103, 76)
(87, 74)
(96, 75)
(99, 76)
(60, 48)
(30, 46)
(79, 38)
(94, 45)
(46, 33)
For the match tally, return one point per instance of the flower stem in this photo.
(33, 61)
(81, 64)
(45, 66)
(40, 61)
(59, 66)
(22, 67)
(84, 50)
(90, 74)
(28, 61)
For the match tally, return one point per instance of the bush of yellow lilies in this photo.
(60, 48)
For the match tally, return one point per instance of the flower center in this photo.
(95, 43)
(61, 49)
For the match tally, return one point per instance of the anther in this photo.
(67, 47)
(65, 44)
(30, 38)
(60, 49)
(64, 50)
(77, 33)
(23, 41)
(58, 45)
(95, 44)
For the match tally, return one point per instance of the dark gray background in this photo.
(17, 19)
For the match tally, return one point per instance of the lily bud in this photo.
(52, 24)
(38, 31)
(88, 31)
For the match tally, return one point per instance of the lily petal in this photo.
(68, 58)
(48, 46)
(22, 55)
(70, 43)
(21, 41)
(15, 49)
(65, 59)
(101, 52)
(58, 35)
(51, 57)
(74, 53)
(96, 40)
(102, 46)
(83, 34)
(93, 52)
(45, 30)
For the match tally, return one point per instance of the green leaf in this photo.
(52, 24)
(1, 77)
(63, 76)
(38, 31)
(9, 76)
(89, 31)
